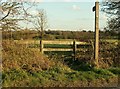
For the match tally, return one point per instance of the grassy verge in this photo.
(56, 76)
(24, 67)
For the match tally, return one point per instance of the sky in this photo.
(70, 14)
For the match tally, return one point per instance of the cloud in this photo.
(75, 7)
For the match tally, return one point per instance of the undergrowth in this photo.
(24, 67)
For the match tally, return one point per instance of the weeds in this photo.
(24, 67)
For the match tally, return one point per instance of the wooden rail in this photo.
(73, 44)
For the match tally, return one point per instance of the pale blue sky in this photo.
(71, 15)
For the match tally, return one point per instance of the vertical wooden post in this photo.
(96, 51)
(41, 46)
(74, 49)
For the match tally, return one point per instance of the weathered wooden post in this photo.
(74, 49)
(96, 45)
(41, 46)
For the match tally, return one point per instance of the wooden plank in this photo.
(56, 49)
(64, 42)
(57, 42)
(83, 43)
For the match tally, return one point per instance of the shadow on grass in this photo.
(78, 65)
(82, 64)
(68, 59)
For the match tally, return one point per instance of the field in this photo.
(27, 67)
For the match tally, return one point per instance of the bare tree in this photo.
(17, 9)
(40, 24)
(9, 9)
(13, 12)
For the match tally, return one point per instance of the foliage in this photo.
(113, 10)
(109, 53)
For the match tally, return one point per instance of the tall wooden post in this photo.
(96, 54)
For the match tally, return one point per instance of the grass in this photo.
(24, 67)
(57, 46)
(55, 76)
(115, 70)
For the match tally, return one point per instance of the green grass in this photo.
(115, 70)
(30, 68)
(57, 46)
(53, 77)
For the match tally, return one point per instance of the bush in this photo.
(17, 56)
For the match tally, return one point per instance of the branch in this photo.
(6, 15)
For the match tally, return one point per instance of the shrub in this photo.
(17, 56)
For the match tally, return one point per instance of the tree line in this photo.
(51, 35)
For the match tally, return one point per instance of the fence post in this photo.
(41, 46)
(96, 50)
(74, 49)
